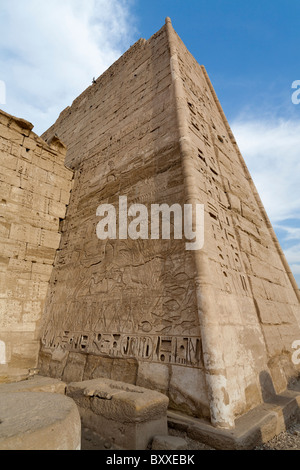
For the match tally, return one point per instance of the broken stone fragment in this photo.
(56, 143)
(97, 393)
(168, 443)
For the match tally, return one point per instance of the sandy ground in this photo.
(289, 440)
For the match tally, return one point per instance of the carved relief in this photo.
(164, 349)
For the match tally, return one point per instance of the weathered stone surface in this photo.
(168, 443)
(30, 208)
(74, 367)
(212, 321)
(38, 421)
(12, 375)
(254, 428)
(35, 384)
(126, 415)
(212, 329)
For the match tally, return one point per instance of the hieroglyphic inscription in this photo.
(222, 245)
(166, 349)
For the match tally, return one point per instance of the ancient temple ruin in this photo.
(212, 329)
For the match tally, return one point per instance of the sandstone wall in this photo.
(251, 314)
(125, 309)
(212, 329)
(34, 192)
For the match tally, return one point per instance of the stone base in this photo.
(125, 415)
(11, 375)
(38, 421)
(168, 443)
(256, 427)
(35, 384)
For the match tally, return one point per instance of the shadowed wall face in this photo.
(198, 327)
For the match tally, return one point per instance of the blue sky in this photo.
(50, 51)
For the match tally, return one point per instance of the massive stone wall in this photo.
(250, 316)
(34, 191)
(212, 328)
(125, 309)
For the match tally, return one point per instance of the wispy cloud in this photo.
(295, 269)
(50, 51)
(293, 255)
(272, 152)
(290, 233)
(271, 148)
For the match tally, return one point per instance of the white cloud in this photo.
(293, 254)
(52, 50)
(295, 268)
(291, 233)
(271, 149)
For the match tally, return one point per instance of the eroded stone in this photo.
(38, 421)
(126, 415)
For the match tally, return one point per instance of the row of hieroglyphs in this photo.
(166, 349)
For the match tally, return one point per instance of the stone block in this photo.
(97, 367)
(40, 254)
(25, 233)
(50, 239)
(75, 367)
(168, 443)
(127, 416)
(187, 392)
(124, 370)
(154, 376)
(35, 384)
(57, 209)
(49, 421)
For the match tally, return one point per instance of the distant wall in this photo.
(34, 192)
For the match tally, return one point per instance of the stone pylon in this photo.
(212, 328)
